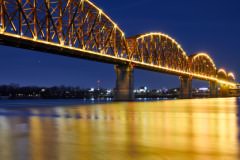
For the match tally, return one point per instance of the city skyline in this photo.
(220, 25)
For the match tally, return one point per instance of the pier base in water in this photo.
(213, 89)
(224, 90)
(124, 83)
(185, 88)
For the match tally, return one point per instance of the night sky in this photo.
(211, 26)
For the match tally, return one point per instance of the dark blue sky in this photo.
(211, 26)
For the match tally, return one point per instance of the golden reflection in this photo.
(203, 129)
(5, 143)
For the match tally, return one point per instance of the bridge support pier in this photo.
(213, 89)
(224, 90)
(124, 83)
(186, 87)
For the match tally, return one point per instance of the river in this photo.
(197, 129)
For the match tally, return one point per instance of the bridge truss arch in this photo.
(222, 74)
(158, 49)
(231, 77)
(202, 64)
(74, 23)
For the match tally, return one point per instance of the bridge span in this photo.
(78, 28)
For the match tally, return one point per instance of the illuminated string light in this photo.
(163, 35)
(100, 11)
(105, 15)
(230, 74)
(221, 70)
(195, 56)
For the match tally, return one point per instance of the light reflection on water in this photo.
(203, 129)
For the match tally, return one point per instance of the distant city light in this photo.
(109, 91)
(203, 89)
(92, 90)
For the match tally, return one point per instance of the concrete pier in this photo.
(124, 83)
(185, 87)
(213, 89)
(224, 90)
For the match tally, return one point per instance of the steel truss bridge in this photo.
(78, 28)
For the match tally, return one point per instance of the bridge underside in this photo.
(48, 47)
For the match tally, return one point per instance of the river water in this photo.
(199, 129)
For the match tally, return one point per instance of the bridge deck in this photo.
(63, 50)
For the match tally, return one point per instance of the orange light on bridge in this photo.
(221, 70)
(230, 74)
